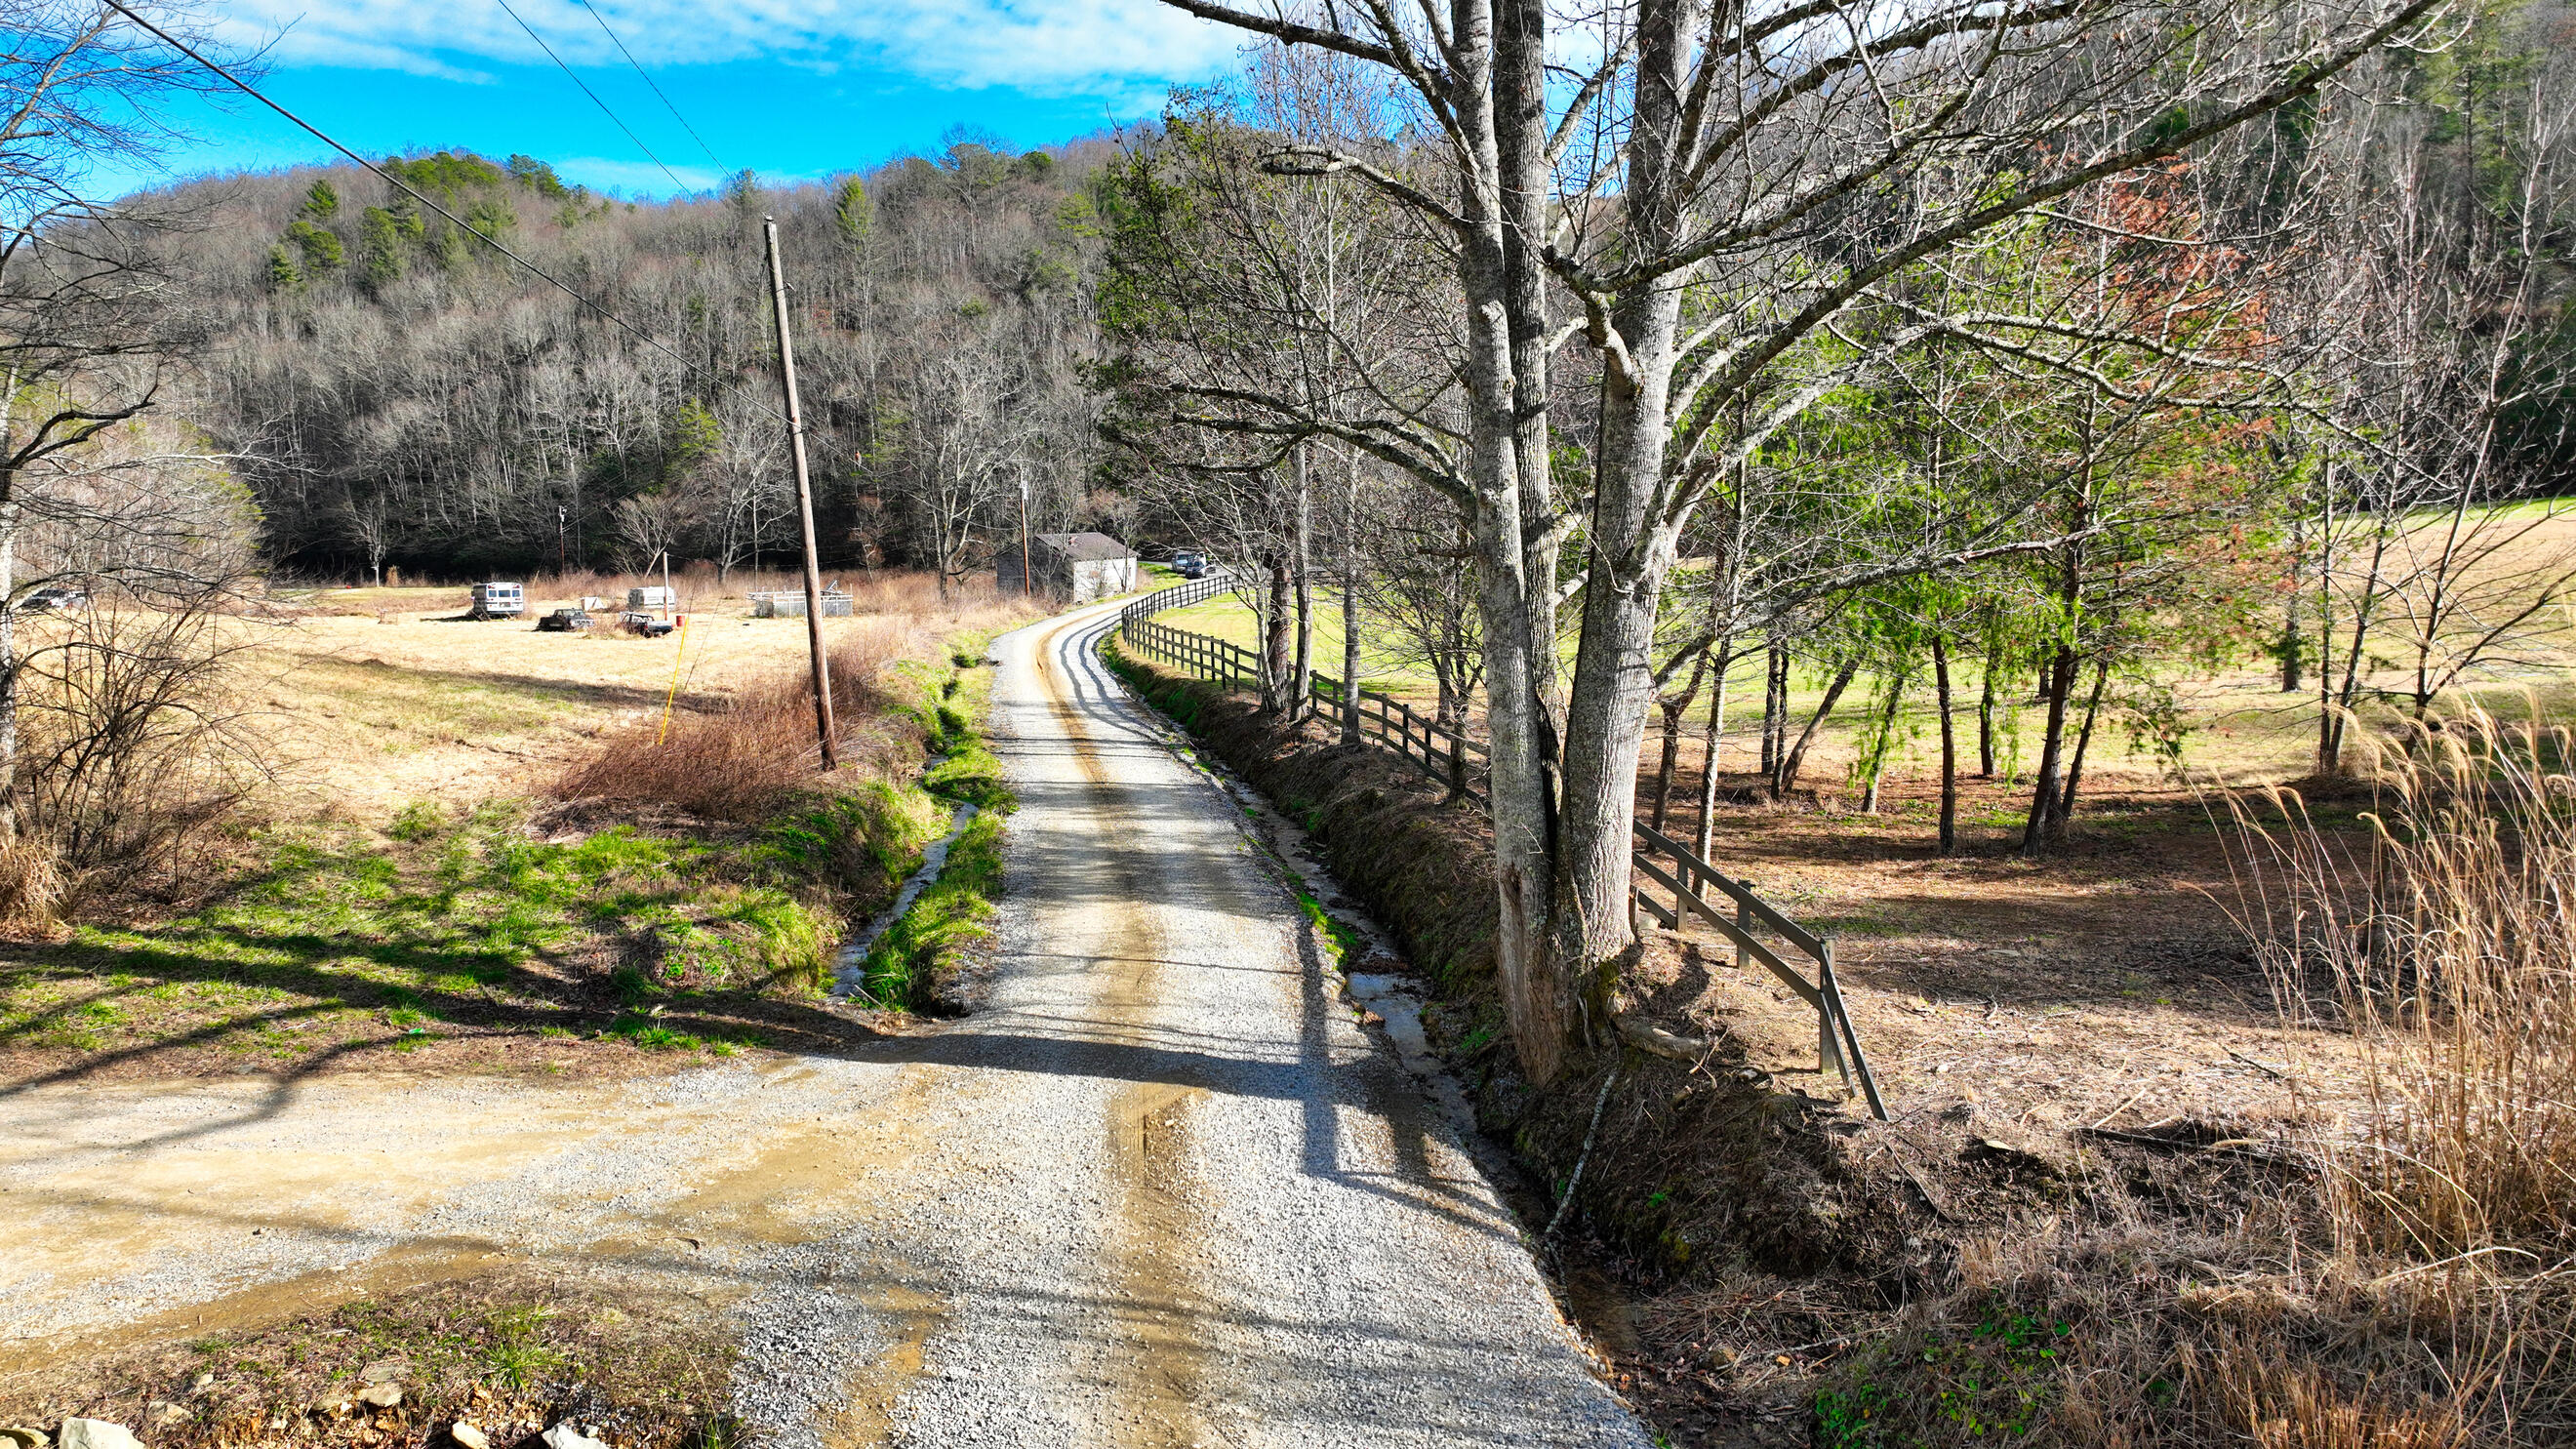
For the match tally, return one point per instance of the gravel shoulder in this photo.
(1163, 1190)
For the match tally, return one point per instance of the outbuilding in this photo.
(1077, 567)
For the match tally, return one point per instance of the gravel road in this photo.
(1161, 1191)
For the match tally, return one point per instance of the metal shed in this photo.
(1075, 567)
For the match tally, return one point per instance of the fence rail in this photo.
(1445, 755)
(1456, 761)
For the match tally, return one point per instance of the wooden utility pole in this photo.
(1025, 586)
(804, 502)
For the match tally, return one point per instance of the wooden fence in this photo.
(1691, 881)
(1444, 755)
(1457, 762)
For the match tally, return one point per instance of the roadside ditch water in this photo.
(849, 971)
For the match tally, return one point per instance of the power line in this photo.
(594, 95)
(648, 80)
(407, 189)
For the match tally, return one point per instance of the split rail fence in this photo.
(1460, 763)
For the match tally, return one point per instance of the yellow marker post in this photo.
(675, 682)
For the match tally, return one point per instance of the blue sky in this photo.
(789, 88)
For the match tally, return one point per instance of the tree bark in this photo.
(1633, 536)
(9, 521)
(1882, 740)
(1796, 758)
(1722, 653)
(1986, 709)
(1949, 746)
(1775, 706)
(2058, 684)
(2063, 815)
(1351, 601)
(1278, 650)
(2293, 637)
(1301, 686)
(1674, 708)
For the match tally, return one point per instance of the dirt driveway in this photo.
(1160, 1191)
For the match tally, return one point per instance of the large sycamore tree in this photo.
(1726, 205)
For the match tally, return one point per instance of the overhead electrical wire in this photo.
(594, 95)
(647, 78)
(407, 189)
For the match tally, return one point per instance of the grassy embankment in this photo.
(507, 1354)
(678, 889)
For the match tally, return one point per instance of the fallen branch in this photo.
(1565, 1204)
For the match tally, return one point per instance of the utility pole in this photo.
(560, 555)
(1025, 588)
(804, 502)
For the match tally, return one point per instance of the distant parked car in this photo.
(498, 601)
(54, 598)
(646, 624)
(564, 621)
(1189, 565)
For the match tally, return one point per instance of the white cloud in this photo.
(1110, 48)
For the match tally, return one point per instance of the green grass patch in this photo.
(1955, 1382)
(343, 938)
(491, 1350)
(953, 914)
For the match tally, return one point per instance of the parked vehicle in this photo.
(498, 601)
(645, 624)
(54, 598)
(1190, 565)
(565, 621)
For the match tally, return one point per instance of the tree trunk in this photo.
(2293, 637)
(1796, 758)
(1301, 685)
(2064, 814)
(1722, 653)
(1278, 652)
(8, 664)
(1519, 736)
(2058, 683)
(1775, 706)
(1674, 708)
(1986, 709)
(1351, 604)
(1949, 746)
(1882, 740)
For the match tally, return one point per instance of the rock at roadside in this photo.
(467, 1436)
(565, 1436)
(383, 1396)
(96, 1434)
(17, 1438)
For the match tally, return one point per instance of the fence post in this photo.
(1829, 1050)
(1744, 920)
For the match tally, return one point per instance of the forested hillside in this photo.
(396, 394)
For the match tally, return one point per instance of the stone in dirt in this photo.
(382, 1372)
(565, 1436)
(383, 1396)
(97, 1434)
(467, 1436)
(17, 1438)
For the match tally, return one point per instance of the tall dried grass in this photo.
(742, 757)
(2433, 933)
(2441, 941)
